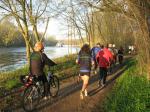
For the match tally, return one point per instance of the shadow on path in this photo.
(96, 90)
(77, 86)
(63, 93)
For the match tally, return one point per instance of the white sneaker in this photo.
(45, 98)
(95, 72)
(81, 95)
(85, 93)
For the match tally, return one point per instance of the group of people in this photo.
(99, 56)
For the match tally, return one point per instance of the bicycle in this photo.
(34, 90)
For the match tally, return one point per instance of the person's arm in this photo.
(77, 60)
(48, 61)
(97, 57)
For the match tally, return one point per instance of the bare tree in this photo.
(28, 14)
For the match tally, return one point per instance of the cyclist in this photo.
(38, 60)
(84, 60)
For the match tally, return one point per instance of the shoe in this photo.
(99, 83)
(102, 85)
(81, 95)
(85, 93)
(45, 98)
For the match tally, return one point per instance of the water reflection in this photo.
(13, 58)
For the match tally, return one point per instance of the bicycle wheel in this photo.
(30, 98)
(54, 86)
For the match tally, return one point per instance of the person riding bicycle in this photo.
(38, 60)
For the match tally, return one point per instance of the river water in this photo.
(14, 58)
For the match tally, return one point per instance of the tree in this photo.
(9, 33)
(27, 14)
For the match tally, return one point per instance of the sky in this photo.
(55, 28)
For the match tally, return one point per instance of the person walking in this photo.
(103, 58)
(110, 54)
(94, 52)
(85, 61)
(115, 52)
(120, 55)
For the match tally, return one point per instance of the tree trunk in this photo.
(148, 24)
(27, 43)
(28, 51)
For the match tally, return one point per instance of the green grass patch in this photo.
(131, 92)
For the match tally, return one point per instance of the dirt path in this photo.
(68, 99)
(72, 102)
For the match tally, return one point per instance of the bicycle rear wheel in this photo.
(54, 86)
(30, 98)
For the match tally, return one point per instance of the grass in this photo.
(66, 67)
(131, 92)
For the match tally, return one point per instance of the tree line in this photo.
(11, 37)
(120, 22)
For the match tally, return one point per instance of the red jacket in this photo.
(103, 57)
(108, 54)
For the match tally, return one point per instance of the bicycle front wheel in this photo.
(30, 98)
(54, 86)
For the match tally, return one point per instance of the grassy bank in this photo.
(131, 92)
(65, 68)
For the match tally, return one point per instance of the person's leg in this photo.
(100, 75)
(105, 75)
(46, 86)
(85, 79)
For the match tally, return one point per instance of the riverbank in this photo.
(65, 67)
(131, 93)
(15, 58)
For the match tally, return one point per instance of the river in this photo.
(14, 58)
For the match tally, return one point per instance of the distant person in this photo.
(38, 60)
(84, 60)
(94, 52)
(103, 59)
(130, 49)
(115, 52)
(120, 55)
(111, 54)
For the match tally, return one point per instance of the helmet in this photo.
(38, 46)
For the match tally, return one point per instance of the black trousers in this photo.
(103, 74)
(45, 83)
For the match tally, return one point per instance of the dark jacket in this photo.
(84, 60)
(37, 62)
